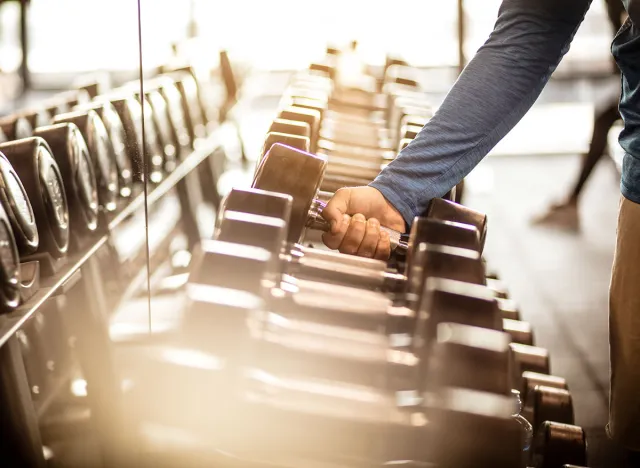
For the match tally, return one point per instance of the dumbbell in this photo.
(32, 160)
(299, 174)
(17, 206)
(197, 101)
(278, 205)
(98, 143)
(167, 88)
(76, 168)
(130, 112)
(115, 129)
(161, 118)
(154, 149)
(287, 170)
(256, 217)
(15, 127)
(36, 117)
(188, 87)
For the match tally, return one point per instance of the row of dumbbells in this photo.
(329, 362)
(557, 405)
(68, 169)
(331, 354)
(69, 164)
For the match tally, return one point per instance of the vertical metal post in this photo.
(20, 442)
(24, 43)
(462, 61)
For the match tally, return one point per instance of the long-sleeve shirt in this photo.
(497, 88)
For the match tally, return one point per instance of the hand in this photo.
(355, 215)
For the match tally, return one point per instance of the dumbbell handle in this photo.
(316, 221)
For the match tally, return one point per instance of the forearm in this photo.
(492, 94)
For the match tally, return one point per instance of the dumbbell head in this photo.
(310, 116)
(109, 116)
(442, 232)
(447, 262)
(292, 127)
(451, 211)
(551, 404)
(233, 266)
(403, 143)
(260, 202)
(37, 117)
(531, 380)
(15, 201)
(252, 229)
(15, 127)
(165, 135)
(558, 444)
(296, 173)
(9, 265)
(295, 141)
(130, 112)
(471, 357)
(72, 156)
(446, 300)
(531, 358)
(33, 162)
(197, 102)
(473, 429)
(99, 145)
(188, 88)
(167, 87)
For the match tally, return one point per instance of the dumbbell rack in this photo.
(80, 277)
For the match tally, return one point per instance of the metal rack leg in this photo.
(20, 442)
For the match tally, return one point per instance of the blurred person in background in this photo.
(565, 214)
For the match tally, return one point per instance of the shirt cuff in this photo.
(406, 210)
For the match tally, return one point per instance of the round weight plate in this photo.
(8, 253)
(54, 197)
(9, 264)
(85, 178)
(72, 157)
(176, 114)
(188, 88)
(104, 163)
(163, 127)
(153, 151)
(22, 128)
(287, 170)
(112, 122)
(18, 208)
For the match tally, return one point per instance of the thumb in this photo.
(337, 208)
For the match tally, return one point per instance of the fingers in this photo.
(334, 238)
(383, 248)
(370, 240)
(354, 235)
(336, 209)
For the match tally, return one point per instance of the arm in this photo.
(495, 90)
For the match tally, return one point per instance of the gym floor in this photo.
(560, 278)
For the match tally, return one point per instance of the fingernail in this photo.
(333, 224)
(374, 223)
(359, 218)
(346, 219)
